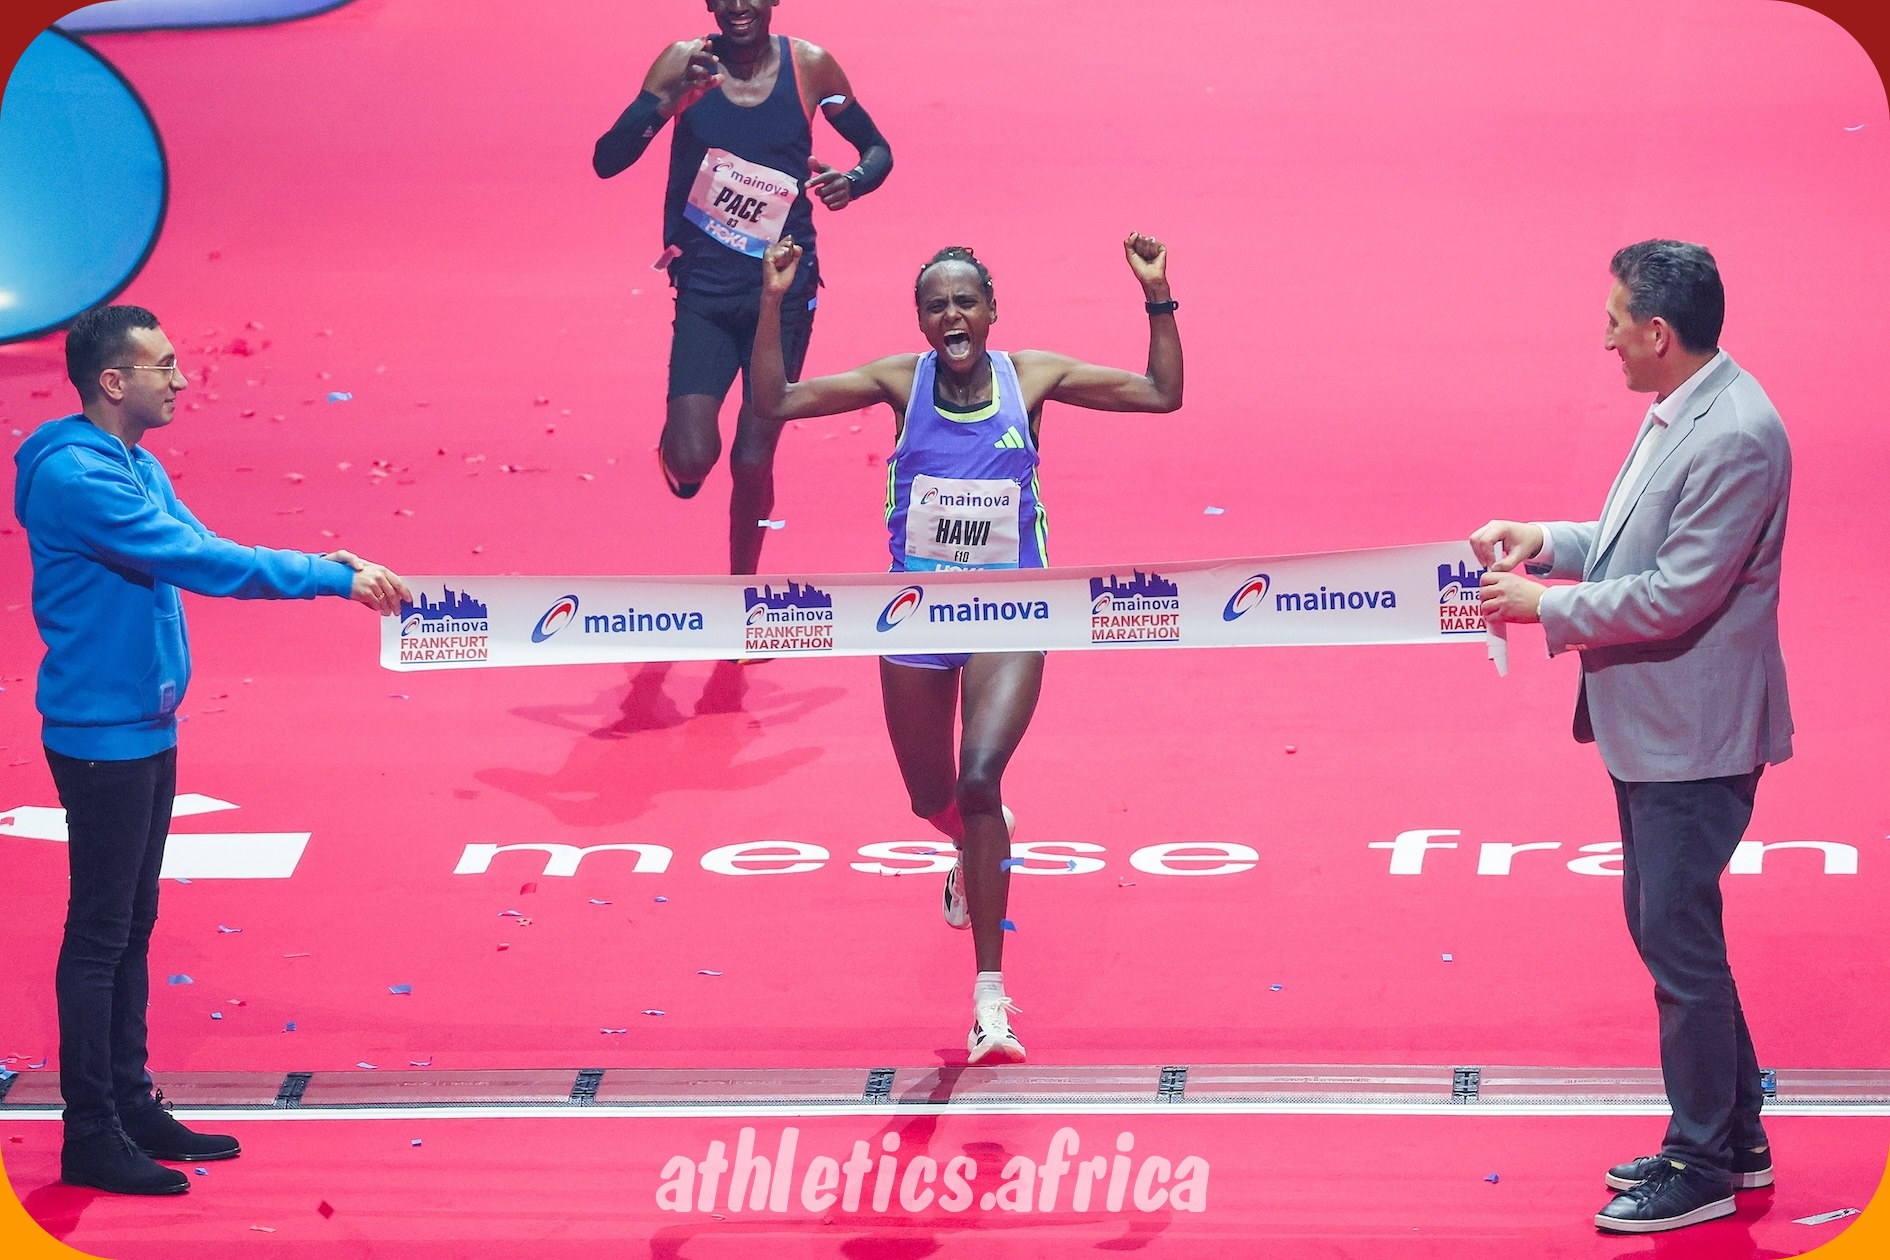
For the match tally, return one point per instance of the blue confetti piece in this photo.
(228, 931)
(1448, 958)
(1492, 1179)
(216, 1014)
(34, 1067)
(930, 852)
(400, 990)
(1010, 864)
(180, 978)
(1278, 987)
(337, 396)
(1214, 511)
(1072, 863)
(415, 1142)
(662, 899)
(290, 1027)
(182, 880)
(1008, 926)
(613, 1032)
(7, 1074)
(201, 1172)
(598, 902)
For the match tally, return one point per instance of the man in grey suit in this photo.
(1675, 613)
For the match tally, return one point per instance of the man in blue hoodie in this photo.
(111, 547)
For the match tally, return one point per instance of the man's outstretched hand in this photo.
(702, 75)
(778, 266)
(375, 585)
(1148, 258)
(1502, 545)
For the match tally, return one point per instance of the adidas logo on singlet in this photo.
(1011, 441)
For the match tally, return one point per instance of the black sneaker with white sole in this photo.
(1751, 1169)
(1671, 1196)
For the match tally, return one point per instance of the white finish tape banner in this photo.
(1420, 594)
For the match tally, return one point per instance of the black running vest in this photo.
(774, 134)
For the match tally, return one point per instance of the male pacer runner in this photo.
(742, 175)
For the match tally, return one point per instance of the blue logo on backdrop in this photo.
(795, 602)
(556, 618)
(1142, 592)
(1459, 608)
(1246, 597)
(456, 611)
(902, 605)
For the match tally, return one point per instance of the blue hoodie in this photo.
(111, 546)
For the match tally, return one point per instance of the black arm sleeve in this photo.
(624, 143)
(875, 154)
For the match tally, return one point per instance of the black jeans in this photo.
(117, 816)
(1676, 839)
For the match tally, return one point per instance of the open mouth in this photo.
(957, 344)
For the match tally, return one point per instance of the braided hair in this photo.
(957, 253)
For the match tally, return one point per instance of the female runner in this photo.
(967, 422)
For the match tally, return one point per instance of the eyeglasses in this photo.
(169, 369)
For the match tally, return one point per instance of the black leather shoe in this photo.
(161, 1137)
(1671, 1197)
(1751, 1169)
(110, 1161)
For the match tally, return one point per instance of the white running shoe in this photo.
(991, 1036)
(957, 909)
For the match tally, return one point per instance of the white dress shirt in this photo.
(1662, 413)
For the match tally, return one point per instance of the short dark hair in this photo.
(957, 253)
(97, 340)
(1678, 281)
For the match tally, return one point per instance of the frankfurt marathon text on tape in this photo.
(1418, 594)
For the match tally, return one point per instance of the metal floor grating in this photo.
(1012, 1085)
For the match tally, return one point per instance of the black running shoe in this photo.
(1672, 1196)
(681, 489)
(110, 1161)
(161, 1137)
(1751, 1169)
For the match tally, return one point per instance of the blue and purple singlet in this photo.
(961, 487)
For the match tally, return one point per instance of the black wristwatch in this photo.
(1162, 308)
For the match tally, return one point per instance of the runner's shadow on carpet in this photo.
(647, 745)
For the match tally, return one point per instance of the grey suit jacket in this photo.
(1676, 613)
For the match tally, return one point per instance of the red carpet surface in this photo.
(1389, 230)
(1280, 1187)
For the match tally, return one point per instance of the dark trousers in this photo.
(1676, 839)
(117, 816)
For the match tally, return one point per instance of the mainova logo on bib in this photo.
(1144, 609)
(901, 606)
(1459, 610)
(455, 628)
(741, 204)
(796, 618)
(557, 617)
